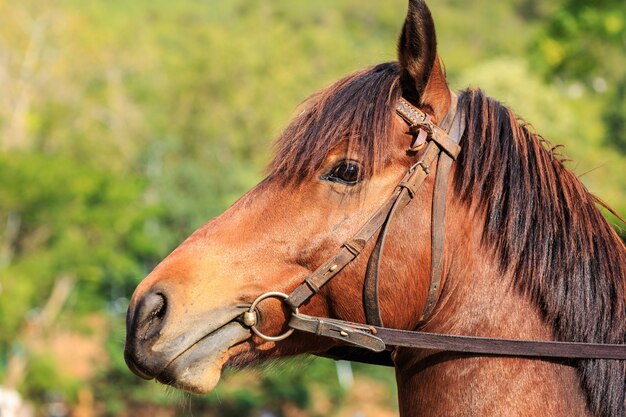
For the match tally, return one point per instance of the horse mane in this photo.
(540, 221)
(545, 229)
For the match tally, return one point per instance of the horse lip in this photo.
(235, 319)
(230, 334)
(136, 369)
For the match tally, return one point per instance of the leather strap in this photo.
(437, 228)
(371, 301)
(415, 176)
(410, 114)
(348, 252)
(450, 148)
(378, 339)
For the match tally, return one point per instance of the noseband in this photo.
(441, 146)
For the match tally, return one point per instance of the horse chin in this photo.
(198, 369)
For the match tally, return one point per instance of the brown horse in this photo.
(527, 254)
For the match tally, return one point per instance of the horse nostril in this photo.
(144, 324)
(160, 306)
(151, 312)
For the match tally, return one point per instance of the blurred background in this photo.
(125, 125)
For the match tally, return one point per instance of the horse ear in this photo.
(423, 80)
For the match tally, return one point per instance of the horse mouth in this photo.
(191, 353)
(197, 369)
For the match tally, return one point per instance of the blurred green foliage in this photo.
(583, 40)
(126, 125)
(584, 43)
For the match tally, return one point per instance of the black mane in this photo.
(546, 229)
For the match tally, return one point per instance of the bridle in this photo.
(441, 146)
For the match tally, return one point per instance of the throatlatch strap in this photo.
(449, 149)
(437, 228)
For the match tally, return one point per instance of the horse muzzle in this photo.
(182, 351)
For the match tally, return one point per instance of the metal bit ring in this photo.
(251, 316)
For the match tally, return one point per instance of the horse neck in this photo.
(478, 300)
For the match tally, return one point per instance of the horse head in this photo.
(335, 163)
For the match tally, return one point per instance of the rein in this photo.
(440, 147)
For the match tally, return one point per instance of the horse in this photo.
(525, 253)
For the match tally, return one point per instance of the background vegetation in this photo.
(126, 125)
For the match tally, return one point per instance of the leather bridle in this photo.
(441, 147)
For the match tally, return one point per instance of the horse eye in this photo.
(346, 172)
